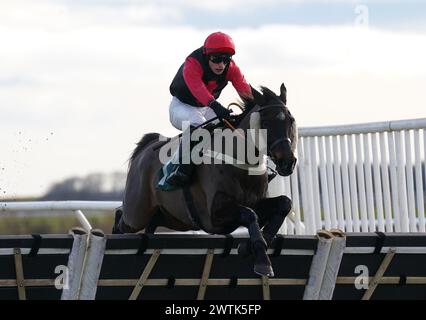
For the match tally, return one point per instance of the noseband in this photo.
(275, 143)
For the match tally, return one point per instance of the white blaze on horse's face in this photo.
(281, 116)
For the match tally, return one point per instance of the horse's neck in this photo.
(246, 177)
(256, 163)
(245, 122)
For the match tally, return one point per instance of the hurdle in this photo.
(96, 266)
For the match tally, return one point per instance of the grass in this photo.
(50, 224)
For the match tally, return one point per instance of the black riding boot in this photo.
(181, 174)
(182, 168)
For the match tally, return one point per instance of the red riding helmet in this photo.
(219, 42)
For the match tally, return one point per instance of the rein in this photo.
(261, 167)
(272, 146)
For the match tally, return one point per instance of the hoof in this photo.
(264, 270)
(244, 248)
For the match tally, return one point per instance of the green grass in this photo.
(54, 224)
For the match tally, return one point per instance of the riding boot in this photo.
(182, 164)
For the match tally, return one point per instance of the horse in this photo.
(220, 197)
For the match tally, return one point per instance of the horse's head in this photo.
(273, 116)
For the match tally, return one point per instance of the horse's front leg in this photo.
(262, 264)
(271, 213)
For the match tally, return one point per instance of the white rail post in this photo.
(369, 184)
(402, 183)
(384, 166)
(330, 182)
(361, 184)
(309, 176)
(308, 218)
(410, 183)
(377, 185)
(354, 190)
(394, 182)
(290, 222)
(419, 182)
(345, 179)
(284, 227)
(296, 202)
(324, 185)
(338, 184)
(424, 163)
(315, 183)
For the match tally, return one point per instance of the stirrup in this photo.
(178, 177)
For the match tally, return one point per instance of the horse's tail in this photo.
(146, 139)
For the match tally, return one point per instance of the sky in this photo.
(82, 81)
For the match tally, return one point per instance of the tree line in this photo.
(94, 186)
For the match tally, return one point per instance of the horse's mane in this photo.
(146, 139)
(248, 104)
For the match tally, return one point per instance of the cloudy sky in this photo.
(82, 81)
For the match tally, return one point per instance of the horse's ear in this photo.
(283, 93)
(258, 97)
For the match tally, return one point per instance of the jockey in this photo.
(196, 87)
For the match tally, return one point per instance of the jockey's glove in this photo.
(221, 111)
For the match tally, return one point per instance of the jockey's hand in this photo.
(221, 111)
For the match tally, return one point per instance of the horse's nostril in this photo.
(286, 168)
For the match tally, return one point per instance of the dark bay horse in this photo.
(222, 197)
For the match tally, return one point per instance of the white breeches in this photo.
(180, 112)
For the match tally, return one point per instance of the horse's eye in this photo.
(265, 124)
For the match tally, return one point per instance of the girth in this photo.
(192, 210)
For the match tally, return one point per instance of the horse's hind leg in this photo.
(120, 226)
(272, 212)
(262, 264)
(155, 222)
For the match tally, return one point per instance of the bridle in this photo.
(267, 107)
(278, 141)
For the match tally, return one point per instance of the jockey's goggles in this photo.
(220, 58)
